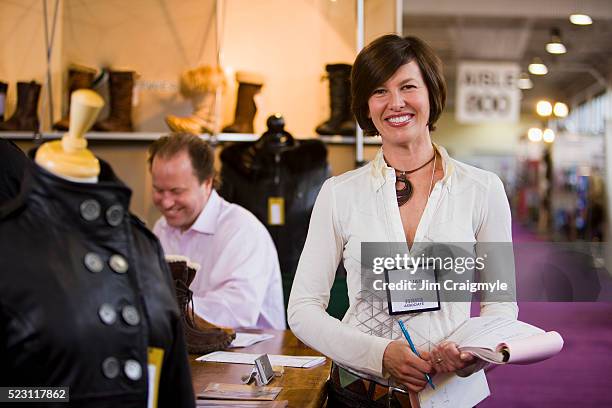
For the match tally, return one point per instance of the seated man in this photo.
(239, 282)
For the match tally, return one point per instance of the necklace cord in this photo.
(405, 193)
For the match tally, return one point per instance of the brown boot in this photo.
(26, 115)
(341, 120)
(3, 89)
(79, 77)
(200, 86)
(200, 340)
(121, 84)
(249, 85)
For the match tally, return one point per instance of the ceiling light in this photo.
(548, 136)
(534, 134)
(544, 108)
(581, 19)
(560, 109)
(524, 82)
(537, 67)
(555, 46)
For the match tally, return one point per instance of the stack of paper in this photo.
(245, 358)
(248, 339)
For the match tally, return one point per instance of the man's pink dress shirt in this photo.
(239, 281)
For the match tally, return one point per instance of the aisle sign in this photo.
(487, 92)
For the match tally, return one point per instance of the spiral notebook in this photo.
(501, 340)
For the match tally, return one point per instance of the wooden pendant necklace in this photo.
(405, 193)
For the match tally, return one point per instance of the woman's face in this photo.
(399, 108)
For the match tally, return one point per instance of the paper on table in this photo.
(246, 358)
(211, 403)
(239, 392)
(248, 339)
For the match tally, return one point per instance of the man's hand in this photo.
(446, 358)
(406, 367)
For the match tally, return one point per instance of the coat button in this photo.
(90, 210)
(132, 370)
(107, 314)
(93, 262)
(114, 215)
(130, 315)
(118, 263)
(110, 367)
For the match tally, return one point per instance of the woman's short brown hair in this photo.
(379, 60)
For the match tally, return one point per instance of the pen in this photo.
(414, 350)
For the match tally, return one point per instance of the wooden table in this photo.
(302, 387)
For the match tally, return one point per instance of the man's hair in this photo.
(377, 62)
(200, 153)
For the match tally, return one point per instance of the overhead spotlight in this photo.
(548, 136)
(555, 46)
(581, 19)
(537, 67)
(524, 82)
(560, 109)
(544, 108)
(534, 134)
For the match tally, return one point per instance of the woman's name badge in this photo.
(412, 290)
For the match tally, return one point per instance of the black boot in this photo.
(199, 339)
(341, 121)
(25, 117)
(78, 78)
(121, 84)
(3, 89)
(249, 85)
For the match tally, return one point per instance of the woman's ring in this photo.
(439, 360)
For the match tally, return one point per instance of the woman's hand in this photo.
(405, 366)
(446, 357)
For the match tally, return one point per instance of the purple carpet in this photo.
(580, 376)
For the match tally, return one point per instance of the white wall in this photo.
(23, 51)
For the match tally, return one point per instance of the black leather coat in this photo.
(84, 291)
(296, 170)
(12, 165)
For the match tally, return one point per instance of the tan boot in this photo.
(200, 86)
(205, 337)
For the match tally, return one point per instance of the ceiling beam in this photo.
(597, 9)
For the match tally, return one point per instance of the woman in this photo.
(411, 192)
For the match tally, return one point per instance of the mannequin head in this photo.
(70, 158)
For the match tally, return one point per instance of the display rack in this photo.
(150, 136)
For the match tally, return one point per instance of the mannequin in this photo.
(89, 303)
(277, 178)
(69, 158)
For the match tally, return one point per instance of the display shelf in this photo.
(150, 136)
(338, 139)
(128, 136)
